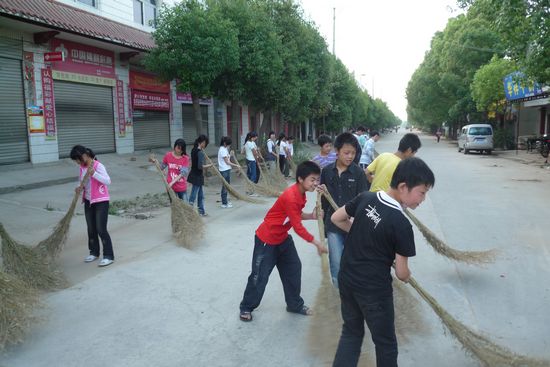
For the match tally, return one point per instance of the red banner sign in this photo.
(84, 59)
(53, 56)
(49, 102)
(148, 82)
(120, 108)
(150, 101)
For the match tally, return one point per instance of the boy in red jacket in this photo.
(273, 246)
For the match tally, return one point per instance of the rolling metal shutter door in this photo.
(84, 114)
(13, 125)
(188, 117)
(151, 129)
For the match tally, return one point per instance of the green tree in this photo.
(196, 46)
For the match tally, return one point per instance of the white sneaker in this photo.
(253, 194)
(105, 262)
(90, 258)
(228, 205)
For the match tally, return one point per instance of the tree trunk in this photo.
(198, 115)
(235, 120)
(265, 125)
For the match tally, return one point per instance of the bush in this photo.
(503, 138)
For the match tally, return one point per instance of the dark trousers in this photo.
(282, 165)
(96, 218)
(358, 307)
(264, 259)
(227, 176)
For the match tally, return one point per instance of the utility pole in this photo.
(333, 31)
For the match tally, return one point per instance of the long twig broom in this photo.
(292, 165)
(29, 265)
(488, 353)
(267, 181)
(17, 301)
(469, 257)
(187, 225)
(230, 188)
(249, 184)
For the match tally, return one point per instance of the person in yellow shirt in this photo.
(380, 171)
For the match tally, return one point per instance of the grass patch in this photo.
(139, 204)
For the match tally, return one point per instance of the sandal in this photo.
(245, 316)
(304, 310)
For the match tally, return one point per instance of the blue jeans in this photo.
(335, 250)
(197, 189)
(251, 170)
(182, 195)
(377, 311)
(227, 176)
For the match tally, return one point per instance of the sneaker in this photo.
(228, 205)
(90, 258)
(224, 206)
(253, 194)
(105, 262)
(203, 214)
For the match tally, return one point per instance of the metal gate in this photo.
(14, 142)
(188, 117)
(84, 114)
(151, 129)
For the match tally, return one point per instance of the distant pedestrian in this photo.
(273, 246)
(379, 235)
(95, 197)
(271, 155)
(196, 175)
(177, 162)
(283, 152)
(438, 134)
(252, 155)
(367, 155)
(326, 154)
(224, 165)
(380, 171)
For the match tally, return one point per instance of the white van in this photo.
(476, 137)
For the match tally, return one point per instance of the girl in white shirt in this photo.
(224, 165)
(251, 152)
(283, 152)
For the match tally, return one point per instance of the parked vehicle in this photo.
(478, 137)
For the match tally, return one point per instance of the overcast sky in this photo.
(381, 41)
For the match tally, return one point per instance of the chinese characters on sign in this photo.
(120, 108)
(514, 89)
(49, 103)
(150, 101)
(84, 59)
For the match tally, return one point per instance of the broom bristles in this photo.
(489, 353)
(251, 185)
(187, 225)
(231, 189)
(53, 245)
(470, 257)
(17, 301)
(267, 181)
(29, 265)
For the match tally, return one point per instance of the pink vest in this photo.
(98, 191)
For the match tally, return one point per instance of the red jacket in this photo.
(286, 213)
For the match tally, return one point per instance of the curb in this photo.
(36, 185)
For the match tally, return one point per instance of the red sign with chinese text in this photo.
(84, 59)
(120, 108)
(150, 101)
(49, 102)
(148, 82)
(53, 56)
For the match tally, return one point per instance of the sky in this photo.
(381, 41)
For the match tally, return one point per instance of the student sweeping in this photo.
(95, 197)
(379, 236)
(252, 154)
(283, 152)
(177, 162)
(196, 176)
(380, 171)
(271, 155)
(273, 246)
(343, 180)
(224, 165)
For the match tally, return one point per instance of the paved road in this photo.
(162, 305)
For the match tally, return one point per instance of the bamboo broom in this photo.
(293, 166)
(53, 245)
(469, 257)
(488, 353)
(251, 185)
(266, 180)
(29, 265)
(230, 188)
(321, 226)
(277, 174)
(17, 301)
(187, 225)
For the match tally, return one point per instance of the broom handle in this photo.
(330, 200)
(152, 156)
(321, 226)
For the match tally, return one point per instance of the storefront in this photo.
(83, 92)
(14, 146)
(188, 117)
(151, 111)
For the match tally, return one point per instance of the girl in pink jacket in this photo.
(95, 197)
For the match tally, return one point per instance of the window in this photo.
(145, 12)
(480, 131)
(88, 2)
